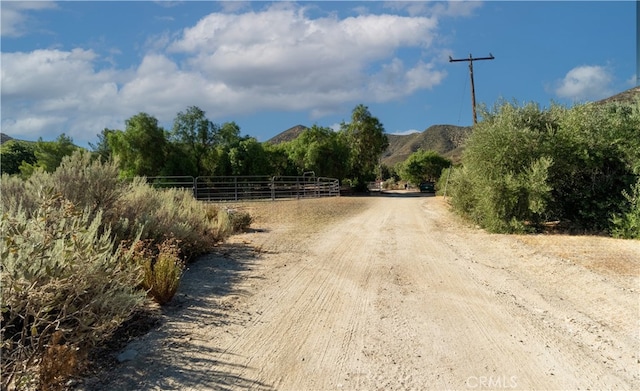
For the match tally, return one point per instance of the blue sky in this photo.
(80, 67)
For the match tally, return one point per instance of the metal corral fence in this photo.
(238, 188)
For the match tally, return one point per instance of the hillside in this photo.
(4, 138)
(626, 97)
(287, 135)
(447, 140)
(444, 139)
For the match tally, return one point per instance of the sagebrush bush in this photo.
(64, 268)
(88, 183)
(172, 213)
(61, 272)
(27, 194)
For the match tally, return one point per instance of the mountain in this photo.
(444, 139)
(4, 138)
(628, 96)
(447, 140)
(287, 135)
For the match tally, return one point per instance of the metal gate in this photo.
(238, 188)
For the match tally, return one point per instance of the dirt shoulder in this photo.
(395, 292)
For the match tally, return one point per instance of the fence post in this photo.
(273, 188)
(195, 188)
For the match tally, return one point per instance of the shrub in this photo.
(390, 184)
(523, 166)
(171, 213)
(66, 282)
(422, 166)
(25, 194)
(60, 272)
(240, 221)
(626, 225)
(87, 182)
(162, 269)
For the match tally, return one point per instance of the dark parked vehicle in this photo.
(427, 187)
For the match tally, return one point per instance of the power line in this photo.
(471, 59)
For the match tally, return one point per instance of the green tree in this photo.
(49, 154)
(198, 136)
(367, 140)
(102, 148)
(15, 153)
(248, 157)
(524, 165)
(423, 166)
(141, 148)
(279, 161)
(228, 134)
(321, 150)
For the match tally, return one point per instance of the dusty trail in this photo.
(397, 296)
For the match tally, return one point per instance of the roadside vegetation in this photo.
(526, 169)
(82, 250)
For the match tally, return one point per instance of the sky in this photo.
(80, 67)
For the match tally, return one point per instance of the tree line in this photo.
(196, 146)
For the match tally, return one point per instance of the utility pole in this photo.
(473, 90)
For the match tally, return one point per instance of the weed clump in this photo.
(162, 268)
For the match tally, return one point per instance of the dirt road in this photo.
(394, 294)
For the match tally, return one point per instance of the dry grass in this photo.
(601, 254)
(311, 213)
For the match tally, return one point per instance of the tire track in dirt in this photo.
(399, 296)
(322, 306)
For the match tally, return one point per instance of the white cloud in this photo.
(405, 132)
(586, 82)
(165, 18)
(50, 74)
(56, 92)
(16, 15)
(227, 64)
(168, 4)
(30, 125)
(280, 52)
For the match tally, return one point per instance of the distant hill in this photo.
(447, 140)
(4, 138)
(444, 139)
(287, 135)
(628, 96)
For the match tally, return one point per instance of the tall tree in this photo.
(102, 148)
(248, 157)
(141, 147)
(198, 136)
(15, 153)
(228, 134)
(279, 161)
(320, 150)
(366, 137)
(49, 154)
